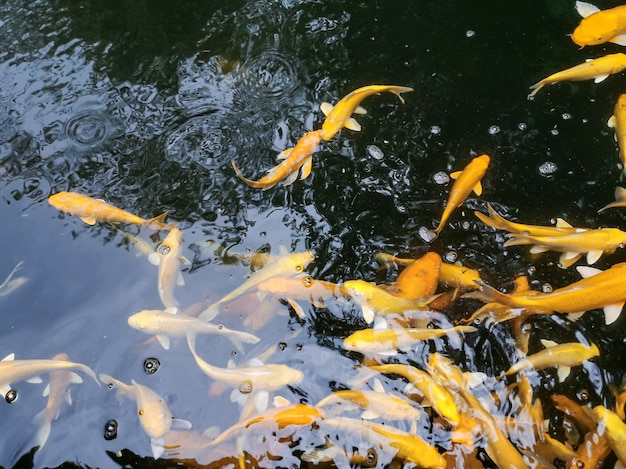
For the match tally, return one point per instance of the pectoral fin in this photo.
(369, 415)
(88, 220)
(283, 155)
(478, 188)
(576, 316)
(455, 174)
(368, 314)
(568, 259)
(593, 256)
(164, 340)
(35, 380)
(620, 40)
(352, 124)
(306, 168)
(612, 312)
(290, 179)
(611, 123)
(586, 272)
(181, 424)
(360, 110)
(326, 108)
(536, 249)
(599, 78)
(585, 9)
(560, 223)
(563, 372)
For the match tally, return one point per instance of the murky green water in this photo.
(144, 104)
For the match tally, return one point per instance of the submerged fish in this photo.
(594, 69)
(618, 123)
(298, 158)
(467, 180)
(614, 429)
(620, 199)
(10, 284)
(340, 115)
(170, 259)
(600, 26)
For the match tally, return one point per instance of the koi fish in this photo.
(340, 115)
(10, 284)
(169, 260)
(92, 210)
(614, 431)
(420, 278)
(306, 288)
(495, 220)
(298, 158)
(620, 199)
(12, 371)
(166, 324)
(598, 289)
(594, 243)
(561, 356)
(154, 415)
(57, 392)
(600, 26)
(594, 69)
(618, 123)
(284, 265)
(466, 181)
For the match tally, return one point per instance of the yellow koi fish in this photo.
(614, 431)
(600, 26)
(466, 181)
(594, 243)
(278, 266)
(618, 123)
(13, 371)
(298, 158)
(92, 210)
(57, 392)
(340, 115)
(166, 324)
(620, 199)
(154, 415)
(561, 356)
(594, 69)
(599, 289)
(169, 260)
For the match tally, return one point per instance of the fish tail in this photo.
(238, 338)
(44, 429)
(88, 371)
(158, 222)
(488, 294)
(399, 90)
(256, 184)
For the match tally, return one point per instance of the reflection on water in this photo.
(144, 104)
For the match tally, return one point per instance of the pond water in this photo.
(145, 104)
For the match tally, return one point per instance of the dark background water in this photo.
(144, 104)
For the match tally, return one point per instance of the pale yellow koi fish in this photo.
(620, 199)
(13, 371)
(298, 158)
(92, 210)
(306, 288)
(600, 289)
(594, 69)
(340, 115)
(57, 392)
(600, 26)
(467, 180)
(561, 356)
(618, 123)
(166, 324)
(284, 265)
(169, 255)
(593, 243)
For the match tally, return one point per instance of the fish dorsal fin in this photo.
(352, 124)
(326, 108)
(378, 386)
(46, 390)
(88, 220)
(560, 223)
(612, 312)
(9, 357)
(360, 110)
(593, 256)
(75, 378)
(35, 380)
(620, 194)
(283, 155)
(586, 272)
(619, 40)
(181, 424)
(600, 78)
(585, 9)
(231, 364)
(478, 188)
(164, 340)
(255, 362)
(305, 171)
(280, 401)
(563, 372)
(455, 174)
(611, 123)
(171, 310)
(548, 343)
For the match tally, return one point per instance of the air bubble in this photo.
(451, 256)
(151, 365)
(110, 430)
(10, 396)
(426, 234)
(494, 129)
(245, 387)
(547, 168)
(554, 132)
(164, 249)
(547, 288)
(375, 152)
(435, 130)
(522, 126)
(441, 178)
(566, 116)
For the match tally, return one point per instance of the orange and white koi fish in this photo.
(497, 221)
(13, 371)
(618, 123)
(166, 324)
(620, 199)
(561, 356)
(340, 115)
(599, 289)
(600, 26)
(298, 158)
(92, 210)
(284, 265)
(169, 259)
(57, 392)
(594, 243)
(467, 180)
(594, 69)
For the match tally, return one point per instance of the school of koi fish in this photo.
(398, 407)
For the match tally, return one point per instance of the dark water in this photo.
(144, 104)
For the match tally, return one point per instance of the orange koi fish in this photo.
(594, 69)
(600, 26)
(297, 158)
(340, 115)
(420, 278)
(92, 210)
(466, 180)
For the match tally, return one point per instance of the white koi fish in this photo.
(170, 258)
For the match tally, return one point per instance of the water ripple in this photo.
(272, 74)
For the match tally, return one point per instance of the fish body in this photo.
(13, 371)
(562, 356)
(595, 69)
(420, 278)
(614, 431)
(279, 266)
(298, 158)
(600, 26)
(92, 210)
(166, 324)
(618, 123)
(606, 289)
(376, 300)
(170, 258)
(306, 288)
(340, 115)
(466, 181)
(594, 243)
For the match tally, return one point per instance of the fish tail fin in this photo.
(159, 223)
(43, 432)
(210, 313)
(399, 90)
(239, 338)
(89, 372)
(250, 182)
(487, 294)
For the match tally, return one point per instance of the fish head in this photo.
(142, 320)
(154, 415)
(595, 29)
(171, 242)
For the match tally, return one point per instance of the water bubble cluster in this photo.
(547, 168)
